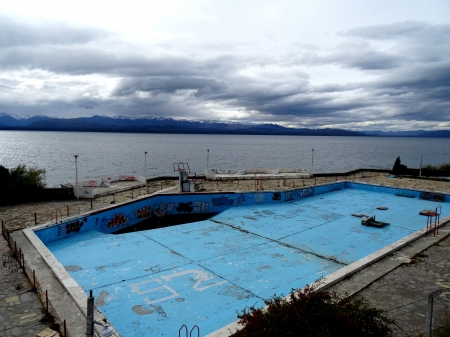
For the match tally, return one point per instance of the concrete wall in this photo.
(120, 216)
(123, 215)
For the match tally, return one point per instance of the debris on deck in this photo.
(370, 221)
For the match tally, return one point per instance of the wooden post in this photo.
(91, 203)
(35, 218)
(429, 323)
(90, 316)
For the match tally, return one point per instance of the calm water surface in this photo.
(104, 154)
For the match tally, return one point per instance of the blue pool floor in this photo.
(152, 282)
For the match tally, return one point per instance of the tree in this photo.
(22, 177)
(5, 180)
(314, 313)
(398, 167)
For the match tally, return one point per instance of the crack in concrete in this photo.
(333, 259)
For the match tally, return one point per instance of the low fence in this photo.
(126, 214)
(118, 217)
(42, 293)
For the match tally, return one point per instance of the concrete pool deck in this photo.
(282, 246)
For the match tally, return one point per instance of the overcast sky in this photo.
(351, 64)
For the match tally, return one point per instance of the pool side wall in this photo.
(111, 219)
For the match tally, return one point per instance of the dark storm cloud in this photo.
(159, 84)
(410, 79)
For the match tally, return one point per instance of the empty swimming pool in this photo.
(149, 283)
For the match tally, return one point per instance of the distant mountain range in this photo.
(152, 124)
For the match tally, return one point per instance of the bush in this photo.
(314, 313)
(33, 177)
(444, 167)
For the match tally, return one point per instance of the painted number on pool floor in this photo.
(157, 290)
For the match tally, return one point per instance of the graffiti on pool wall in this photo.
(117, 220)
(201, 206)
(240, 198)
(289, 195)
(222, 201)
(144, 212)
(276, 196)
(259, 197)
(306, 192)
(166, 208)
(185, 207)
(74, 226)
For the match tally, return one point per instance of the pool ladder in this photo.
(185, 328)
(433, 221)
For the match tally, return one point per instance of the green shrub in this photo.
(430, 168)
(444, 167)
(314, 313)
(33, 177)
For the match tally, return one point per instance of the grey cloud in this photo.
(15, 33)
(359, 55)
(401, 30)
(412, 82)
(365, 60)
(167, 84)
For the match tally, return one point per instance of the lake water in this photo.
(105, 154)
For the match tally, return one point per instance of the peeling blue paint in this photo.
(152, 282)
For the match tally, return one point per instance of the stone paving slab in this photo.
(21, 310)
(400, 283)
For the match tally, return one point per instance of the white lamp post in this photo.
(420, 170)
(207, 159)
(145, 168)
(312, 162)
(76, 169)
